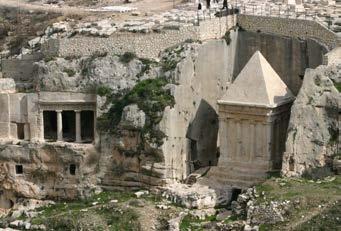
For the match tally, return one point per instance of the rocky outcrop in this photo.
(313, 129)
(133, 117)
(41, 171)
(86, 73)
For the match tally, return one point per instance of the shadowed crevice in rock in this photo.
(203, 132)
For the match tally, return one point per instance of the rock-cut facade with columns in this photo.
(253, 121)
(47, 117)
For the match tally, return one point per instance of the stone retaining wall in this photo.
(289, 27)
(147, 45)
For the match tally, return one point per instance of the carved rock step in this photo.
(239, 176)
(238, 183)
(246, 165)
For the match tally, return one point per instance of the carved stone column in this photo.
(59, 125)
(41, 119)
(78, 126)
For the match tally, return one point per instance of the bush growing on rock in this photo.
(127, 57)
(151, 98)
(103, 90)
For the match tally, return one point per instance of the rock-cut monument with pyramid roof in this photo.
(253, 121)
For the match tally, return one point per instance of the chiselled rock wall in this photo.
(192, 124)
(288, 56)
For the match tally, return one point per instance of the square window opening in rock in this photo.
(19, 169)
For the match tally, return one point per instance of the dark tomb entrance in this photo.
(69, 126)
(50, 125)
(87, 126)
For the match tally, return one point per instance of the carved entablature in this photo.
(67, 106)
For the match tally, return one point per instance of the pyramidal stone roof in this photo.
(258, 85)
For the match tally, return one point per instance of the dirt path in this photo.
(155, 5)
(309, 215)
(29, 6)
(145, 6)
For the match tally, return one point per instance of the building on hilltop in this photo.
(253, 120)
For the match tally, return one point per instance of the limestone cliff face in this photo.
(313, 128)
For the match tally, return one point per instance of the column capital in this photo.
(77, 111)
(59, 111)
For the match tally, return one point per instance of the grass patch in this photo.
(327, 220)
(190, 222)
(75, 207)
(264, 188)
(306, 196)
(338, 86)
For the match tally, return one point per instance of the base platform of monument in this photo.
(239, 175)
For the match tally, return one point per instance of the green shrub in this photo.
(103, 90)
(338, 86)
(146, 66)
(127, 57)
(169, 65)
(151, 98)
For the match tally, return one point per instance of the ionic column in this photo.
(252, 141)
(59, 125)
(27, 131)
(78, 126)
(269, 143)
(41, 118)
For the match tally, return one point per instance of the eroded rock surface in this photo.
(313, 129)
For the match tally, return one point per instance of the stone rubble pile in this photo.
(26, 208)
(255, 213)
